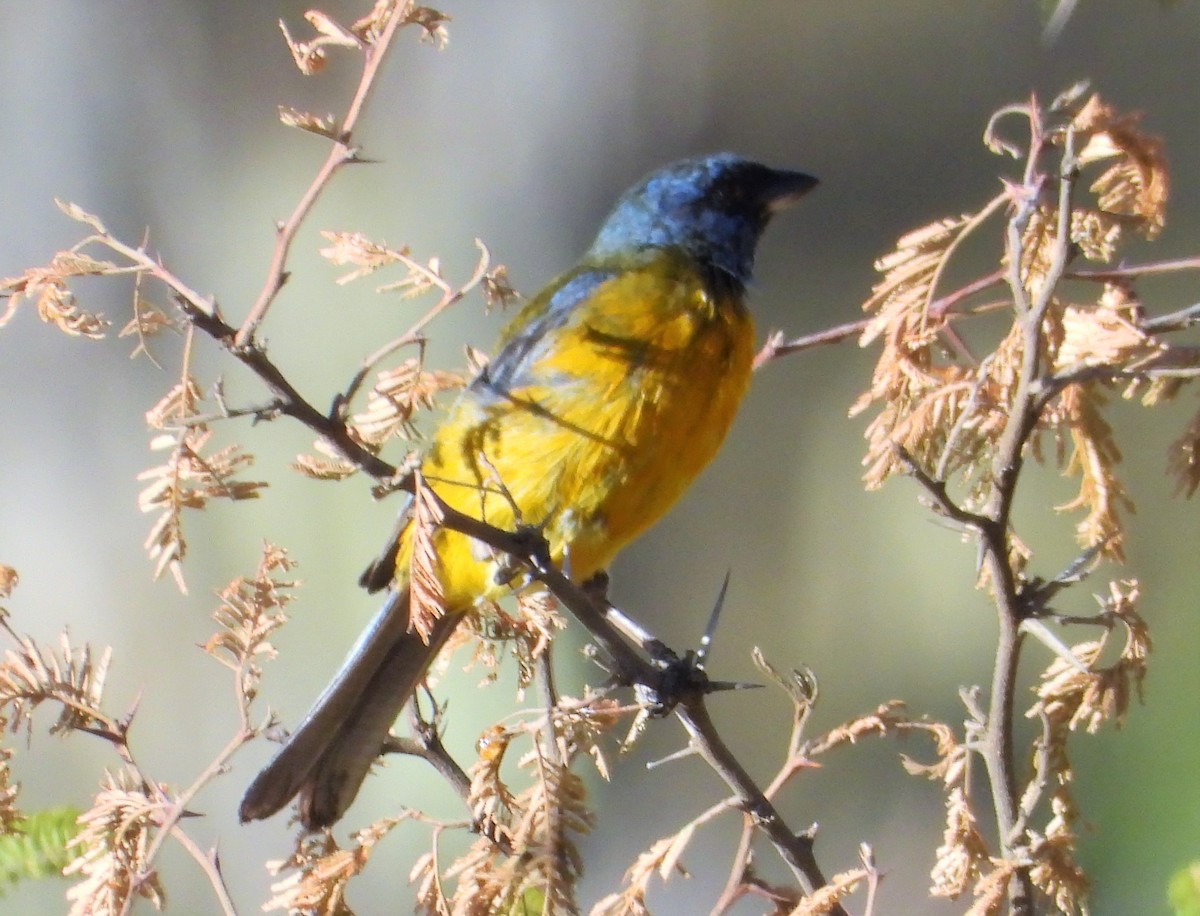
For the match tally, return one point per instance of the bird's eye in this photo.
(727, 196)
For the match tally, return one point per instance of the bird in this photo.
(608, 393)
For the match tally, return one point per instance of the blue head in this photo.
(712, 208)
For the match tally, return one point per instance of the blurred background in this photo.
(160, 116)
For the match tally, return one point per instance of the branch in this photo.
(777, 346)
(630, 668)
(340, 154)
(1136, 272)
(996, 742)
(796, 849)
(205, 314)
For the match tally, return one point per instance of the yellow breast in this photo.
(625, 403)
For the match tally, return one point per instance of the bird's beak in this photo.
(782, 189)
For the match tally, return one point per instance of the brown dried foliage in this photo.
(311, 56)
(539, 824)
(114, 843)
(527, 635)
(319, 871)
(251, 610)
(189, 478)
(426, 598)
(948, 411)
(71, 677)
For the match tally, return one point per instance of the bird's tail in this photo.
(325, 760)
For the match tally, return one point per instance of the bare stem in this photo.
(340, 153)
(996, 744)
(211, 866)
(796, 849)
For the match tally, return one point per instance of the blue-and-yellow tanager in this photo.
(610, 391)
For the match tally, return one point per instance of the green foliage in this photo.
(530, 903)
(1183, 891)
(36, 847)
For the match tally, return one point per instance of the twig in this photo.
(211, 866)
(1175, 321)
(1135, 272)
(204, 314)
(777, 346)
(796, 849)
(341, 153)
(996, 742)
(413, 335)
(168, 823)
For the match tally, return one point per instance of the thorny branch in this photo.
(374, 52)
(1044, 234)
(630, 668)
(982, 419)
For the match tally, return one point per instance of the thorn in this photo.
(1079, 568)
(126, 720)
(1037, 594)
(1050, 640)
(688, 751)
(714, 686)
(809, 832)
(711, 630)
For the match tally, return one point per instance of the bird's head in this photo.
(712, 208)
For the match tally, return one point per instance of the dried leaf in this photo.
(188, 479)
(356, 249)
(56, 305)
(824, 899)
(886, 719)
(147, 321)
(330, 30)
(320, 468)
(1106, 334)
(539, 825)
(69, 677)
(50, 287)
(1135, 184)
(251, 610)
(991, 891)
(306, 120)
(77, 213)
(631, 900)
(175, 407)
(928, 403)
(427, 597)
(320, 870)
(1055, 871)
(114, 843)
(398, 394)
(899, 300)
(963, 855)
(1069, 698)
(8, 580)
(1094, 458)
(309, 56)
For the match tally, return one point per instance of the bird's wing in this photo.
(532, 331)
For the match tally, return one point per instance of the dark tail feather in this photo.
(325, 760)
